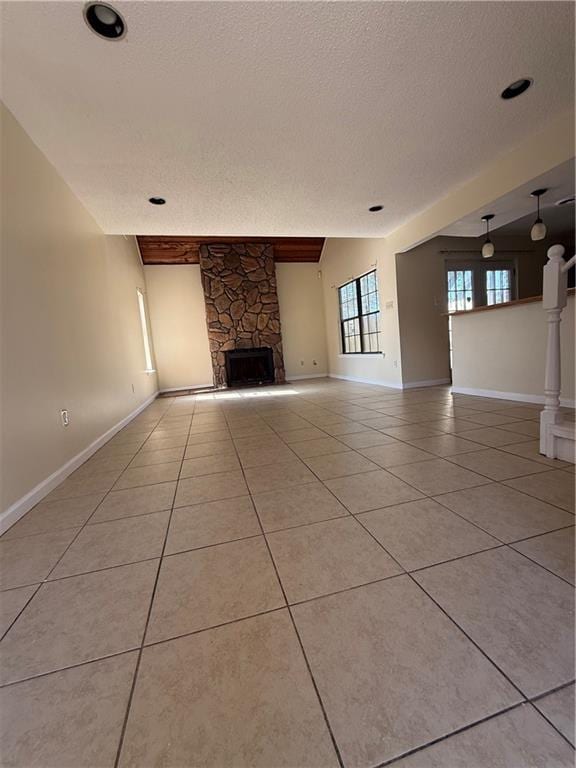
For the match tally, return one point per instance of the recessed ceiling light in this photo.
(375, 208)
(156, 200)
(104, 21)
(516, 88)
(566, 201)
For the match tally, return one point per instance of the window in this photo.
(460, 290)
(498, 286)
(359, 310)
(477, 284)
(145, 335)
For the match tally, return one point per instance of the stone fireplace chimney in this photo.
(242, 311)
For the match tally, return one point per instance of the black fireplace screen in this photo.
(249, 366)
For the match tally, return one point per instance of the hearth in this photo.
(249, 366)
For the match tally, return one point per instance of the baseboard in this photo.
(427, 383)
(360, 380)
(25, 504)
(290, 378)
(188, 386)
(516, 396)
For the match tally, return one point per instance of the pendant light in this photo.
(538, 231)
(488, 247)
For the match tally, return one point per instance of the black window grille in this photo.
(359, 313)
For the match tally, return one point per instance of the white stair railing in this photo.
(554, 299)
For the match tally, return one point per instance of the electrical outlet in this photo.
(395, 363)
(301, 362)
(314, 362)
(64, 417)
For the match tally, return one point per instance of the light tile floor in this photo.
(305, 576)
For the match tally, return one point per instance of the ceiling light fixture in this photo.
(565, 201)
(104, 21)
(516, 88)
(375, 208)
(157, 200)
(538, 231)
(488, 247)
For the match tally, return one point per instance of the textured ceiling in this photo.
(280, 118)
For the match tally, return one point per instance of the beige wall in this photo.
(422, 300)
(504, 350)
(344, 259)
(70, 327)
(302, 316)
(178, 320)
(422, 309)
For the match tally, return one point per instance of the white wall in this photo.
(301, 303)
(503, 351)
(178, 320)
(70, 326)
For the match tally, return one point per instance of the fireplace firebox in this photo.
(249, 366)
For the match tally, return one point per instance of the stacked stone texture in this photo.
(239, 282)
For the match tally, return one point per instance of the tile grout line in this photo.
(445, 612)
(446, 458)
(305, 525)
(147, 622)
(558, 731)
(307, 663)
(407, 573)
(447, 736)
(498, 546)
(45, 580)
(85, 663)
(265, 537)
(419, 586)
(535, 562)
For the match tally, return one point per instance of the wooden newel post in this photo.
(553, 301)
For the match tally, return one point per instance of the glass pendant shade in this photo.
(488, 249)
(538, 231)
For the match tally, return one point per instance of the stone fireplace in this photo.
(242, 313)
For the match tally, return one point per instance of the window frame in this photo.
(357, 286)
(479, 270)
(144, 327)
(455, 269)
(495, 268)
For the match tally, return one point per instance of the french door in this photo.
(478, 284)
(475, 285)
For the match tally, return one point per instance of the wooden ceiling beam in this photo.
(174, 249)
